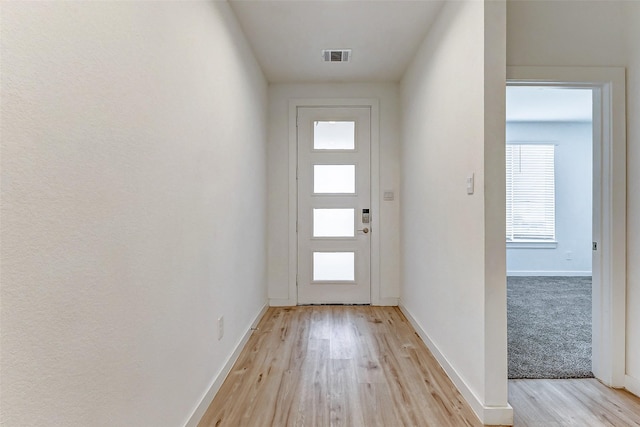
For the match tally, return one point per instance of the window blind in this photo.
(530, 192)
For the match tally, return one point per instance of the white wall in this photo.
(453, 252)
(539, 33)
(133, 201)
(593, 33)
(281, 292)
(573, 169)
(633, 199)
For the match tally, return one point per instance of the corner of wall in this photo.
(632, 385)
(282, 302)
(495, 290)
(218, 380)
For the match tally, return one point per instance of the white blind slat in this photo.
(530, 192)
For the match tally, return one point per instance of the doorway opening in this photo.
(609, 205)
(549, 165)
(330, 112)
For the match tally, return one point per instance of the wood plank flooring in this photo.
(337, 366)
(365, 366)
(579, 402)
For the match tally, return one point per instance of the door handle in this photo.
(365, 230)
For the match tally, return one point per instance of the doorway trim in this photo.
(609, 304)
(373, 104)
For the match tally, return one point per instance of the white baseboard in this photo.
(282, 302)
(632, 385)
(488, 415)
(549, 273)
(216, 383)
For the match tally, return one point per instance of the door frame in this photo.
(609, 201)
(373, 104)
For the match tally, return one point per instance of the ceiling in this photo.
(288, 36)
(535, 103)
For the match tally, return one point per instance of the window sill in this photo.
(533, 244)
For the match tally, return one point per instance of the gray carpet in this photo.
(549, 327)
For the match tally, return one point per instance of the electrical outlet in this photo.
(220, 327)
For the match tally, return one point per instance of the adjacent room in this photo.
(549, 165)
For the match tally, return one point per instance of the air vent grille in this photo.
(336, 55)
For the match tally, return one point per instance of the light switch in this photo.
(388, 196)
(470, 184)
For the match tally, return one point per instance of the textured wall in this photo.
(133, 200)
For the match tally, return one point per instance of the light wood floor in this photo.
(365, 366)
(337, 366)
(580, 402)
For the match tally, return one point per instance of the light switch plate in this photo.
(470, 183)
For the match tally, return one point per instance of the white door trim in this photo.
(609, 308)
(375, 187)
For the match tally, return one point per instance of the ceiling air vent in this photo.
(336, 55)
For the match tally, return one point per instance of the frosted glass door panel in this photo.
(333, 266)
(333, 188)
(334, 135)
(334, 179)
(333, 222)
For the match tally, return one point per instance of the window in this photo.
(334, 179)
(334, 135)
(531, 215)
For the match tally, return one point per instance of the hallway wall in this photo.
(602, 33)
(133, 200)
(453, 251)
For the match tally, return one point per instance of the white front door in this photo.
(334, 228)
